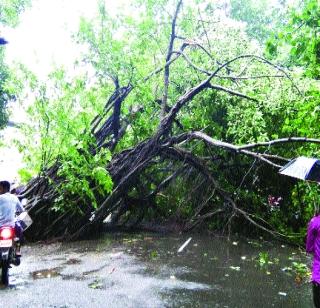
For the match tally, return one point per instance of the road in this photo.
(87, 274)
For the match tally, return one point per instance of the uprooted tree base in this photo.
(162, 161)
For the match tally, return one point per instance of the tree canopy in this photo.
(10, 10)
(300, 38)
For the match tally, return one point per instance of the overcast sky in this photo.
(43, 36)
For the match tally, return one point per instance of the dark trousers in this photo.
(316, 294)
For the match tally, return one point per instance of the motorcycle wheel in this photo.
(5, 274)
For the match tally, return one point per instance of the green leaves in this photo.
(10, 9)
(85, 177)
(300, 38)
(59, 132)
(260, 16)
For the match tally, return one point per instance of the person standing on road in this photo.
(313, 247)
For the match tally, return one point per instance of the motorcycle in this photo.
(8, 247)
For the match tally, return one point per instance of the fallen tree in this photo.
(142, 173)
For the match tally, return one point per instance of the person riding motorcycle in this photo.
(10, 205)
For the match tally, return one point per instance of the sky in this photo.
(43, 36)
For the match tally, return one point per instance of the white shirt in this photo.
(9, 205)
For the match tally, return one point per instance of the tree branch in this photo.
(279, 141)
(169, 53)
(231, 92)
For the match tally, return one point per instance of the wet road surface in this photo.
(145, 270)
(87, 275)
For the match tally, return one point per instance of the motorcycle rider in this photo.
(9, 206)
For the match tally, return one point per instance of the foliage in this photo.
(154, 254)
(301, 269)
(9, 15)
(85, 177)
(297, 46)
(4, 95)
(261, 17)
(263, 258)
(60, 133)
(300, 38)
(10, 10)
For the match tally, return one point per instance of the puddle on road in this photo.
(46, 273)
(72, 261)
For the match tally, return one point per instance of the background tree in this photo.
(300, 38)
(9, 15)
(296, 46)
(261, 17)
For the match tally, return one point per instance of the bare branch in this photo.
(169, 53)
(252, 77)
(279, 141)
(221, 144)
(231, 92)
(197, 68)
(204, 28)
(260, 59)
